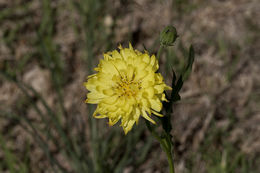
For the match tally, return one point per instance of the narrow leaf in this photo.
(188, 68)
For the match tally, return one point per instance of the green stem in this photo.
(159, 52)
(170, 161)
(165, 144)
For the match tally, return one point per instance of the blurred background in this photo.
(48, 47)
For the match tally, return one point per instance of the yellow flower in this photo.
(126, 86)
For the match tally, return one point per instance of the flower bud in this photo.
(168, 36)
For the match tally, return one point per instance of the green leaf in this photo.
(175, 88)
(188, 68)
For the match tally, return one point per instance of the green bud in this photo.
(168, 36)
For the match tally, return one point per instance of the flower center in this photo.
(126, 87)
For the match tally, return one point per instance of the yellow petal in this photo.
(98, 116)
(156, 113)
(109, 92)
(159, 88)
(129, 126)
(145, 103)
(150, 92)
(156, 104)
(114, 120)
(130, 46)
(144, 114)
(136, 114)
(130, 72)
(116, 55)
(107, 56)
(110, 100)
(94, 95)
(146, 58)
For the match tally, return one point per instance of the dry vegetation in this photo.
(53, 45)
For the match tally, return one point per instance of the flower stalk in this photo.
(165, 143)
(167, 148)
(159, 52)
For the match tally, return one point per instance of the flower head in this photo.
(126, 86)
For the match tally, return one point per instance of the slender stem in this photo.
(165, 144)
(159, 52)
(170, 160)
